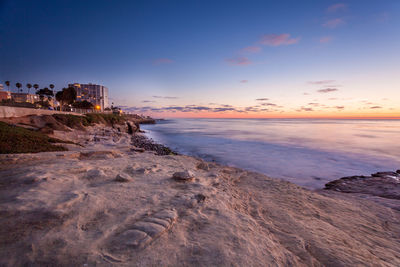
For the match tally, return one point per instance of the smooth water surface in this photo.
(306, 152)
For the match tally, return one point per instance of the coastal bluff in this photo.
(106, 202)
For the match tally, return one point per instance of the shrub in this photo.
(14, 139)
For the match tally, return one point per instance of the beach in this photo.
(108, 202)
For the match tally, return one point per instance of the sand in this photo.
(104, 204)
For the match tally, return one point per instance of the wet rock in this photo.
(380, 184)
(383, 174)
(398, 171)
(185, 176)
(143, 142)
(122, 178)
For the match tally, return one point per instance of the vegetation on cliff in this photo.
(14, 139)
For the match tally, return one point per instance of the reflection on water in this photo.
(306, 152)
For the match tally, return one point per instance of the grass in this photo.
(14, 139)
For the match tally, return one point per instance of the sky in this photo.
(233, 59)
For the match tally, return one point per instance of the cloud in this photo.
(339, 107)
(325, 39)
(244, 81)
(304, 109)
(327, 90)
(160, 61)
(251, 49)
(269, 104)
(165, 97)
(238, 61)
(314, 104)
(278, 39)
(375, 107)
(223, 109)
(333, 23)
(336, 7)
(322, 82)
(147, 101)
(262, 99)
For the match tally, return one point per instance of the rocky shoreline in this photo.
(118, 199)
(381, 187)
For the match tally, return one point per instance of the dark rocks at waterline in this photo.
(380, 184)
(142, 142)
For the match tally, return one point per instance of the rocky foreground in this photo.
(112, 202)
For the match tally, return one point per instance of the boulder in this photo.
(185, 176)
(122, 178)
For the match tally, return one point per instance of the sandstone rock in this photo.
(135, 238)
(185, 176)
(143, 232)
(122, 178)
(137, 149)
(203, 166)
(150, 228)
(98, 155)
(94, 173)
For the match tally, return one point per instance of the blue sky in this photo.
(157, 55)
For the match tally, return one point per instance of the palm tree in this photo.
(8, 84)
(52, 87)
(29, 86)
(36, 86)
(18, 85)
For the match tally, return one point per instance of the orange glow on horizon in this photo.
(383, 116)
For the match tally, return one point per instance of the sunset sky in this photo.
(213, 58)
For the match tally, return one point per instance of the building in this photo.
(5, 95)
(93, 93)
(1, 86)
(23, 97)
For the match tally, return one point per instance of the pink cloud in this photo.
(244, 81)
(160, 61)
(327, 90)
(325, 39)
(336, 7)
(321, 82)
(238, 61)
(278, 39)
(251, 49)
(333, 23)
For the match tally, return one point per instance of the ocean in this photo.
(307, 152)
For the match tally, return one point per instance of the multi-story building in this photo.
(93, 93)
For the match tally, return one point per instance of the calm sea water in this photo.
(306, 152)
